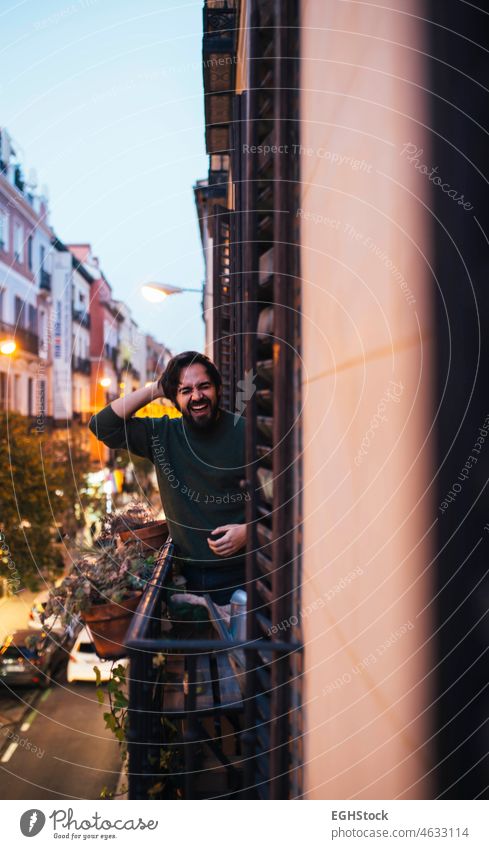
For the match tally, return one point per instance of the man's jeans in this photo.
(218, 580)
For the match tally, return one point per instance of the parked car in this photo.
(83, 658)
(28, 659)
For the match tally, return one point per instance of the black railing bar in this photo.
(151, 591)
(196, 646)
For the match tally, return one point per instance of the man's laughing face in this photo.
(197, 397)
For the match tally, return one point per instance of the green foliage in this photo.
(117, 716)
(103, 574)
(170, 761)
(71, 460)
(42, 495)
(28, 508)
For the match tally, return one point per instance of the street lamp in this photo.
(7, 347)
(157, 292)
(105, 381)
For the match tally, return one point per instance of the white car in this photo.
(83, 658)
(37, 608)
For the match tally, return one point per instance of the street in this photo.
(53, 743)
(64, 751)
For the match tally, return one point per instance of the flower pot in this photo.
(152, 536)
(108, 625)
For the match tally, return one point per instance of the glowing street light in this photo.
(106, 381)
(7, 347)
(157, 292)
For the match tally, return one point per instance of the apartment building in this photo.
(25, 286)
(82, 281)
(67, 347)
(131, 357)
(348, 284)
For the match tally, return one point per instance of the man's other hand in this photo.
(233, 539)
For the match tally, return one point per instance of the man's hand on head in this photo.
(157, 389)
(233, 539)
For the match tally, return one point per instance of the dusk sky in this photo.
(104, 99)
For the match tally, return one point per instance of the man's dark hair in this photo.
(170, 378)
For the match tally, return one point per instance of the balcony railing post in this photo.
(135, 734)
(144, 731)
(191, 735)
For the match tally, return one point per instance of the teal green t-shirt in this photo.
(199, 474)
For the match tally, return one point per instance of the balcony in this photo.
(219, 26)
(81, 365)
(19, 181)
(81, 418)
(26, 340)
(199, 689)
(82, 317)
(127, 366)
(219, 65)
(45, 281)
(111, 354)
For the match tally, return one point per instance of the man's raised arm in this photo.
(125, 407)
(116, 427)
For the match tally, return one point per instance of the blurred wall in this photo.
(367, 393)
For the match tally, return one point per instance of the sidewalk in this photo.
(14, 612)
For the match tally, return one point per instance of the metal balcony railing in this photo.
(190, 684)
(111, 354)
(25, 339)
(128, 367)
(45, 281)
(82, 317)
(81, 365)
(218, 53)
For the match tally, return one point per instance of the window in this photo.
(18, 307)
(42, 398)
(19, 243)
(42, 332)
(30, 396)
(16, 398)
(29, 252)
(42, 256)
(86, 648)
(3, 391)
(32, 318)
(4, 246)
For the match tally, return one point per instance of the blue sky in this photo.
(104, 99)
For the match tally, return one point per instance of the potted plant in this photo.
(136, 522)
(103, 590)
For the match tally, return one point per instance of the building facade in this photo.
(81, 364)
(157, 356)
(25, 286)
(130, 363)
(322, 261)
(67, 347)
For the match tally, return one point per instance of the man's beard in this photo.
(204, 421)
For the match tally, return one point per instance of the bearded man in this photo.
(199, 463)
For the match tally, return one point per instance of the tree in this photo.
(70, 458)
(27, 503)
(43, 497)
